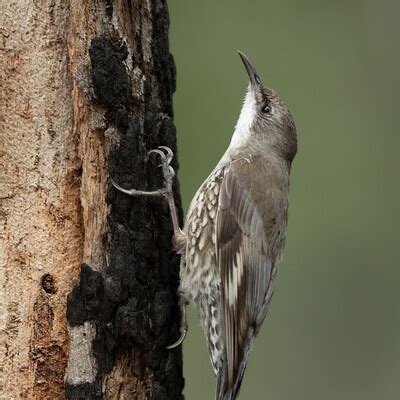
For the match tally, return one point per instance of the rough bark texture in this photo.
(88, 276)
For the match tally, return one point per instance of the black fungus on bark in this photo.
(133, 302)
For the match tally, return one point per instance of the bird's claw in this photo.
(170, 154)
(179, 341)
(121, 189)
(184, 325)
(160, 153)
(166, 157)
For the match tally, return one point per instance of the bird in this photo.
(235, 230)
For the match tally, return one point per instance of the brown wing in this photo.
(245, 268)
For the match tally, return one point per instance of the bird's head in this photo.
(264, 118)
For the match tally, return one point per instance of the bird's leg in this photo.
(165, 192)
(179, 239)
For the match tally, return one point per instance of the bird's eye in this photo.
(267, 109)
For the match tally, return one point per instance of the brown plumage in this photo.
(235, 233)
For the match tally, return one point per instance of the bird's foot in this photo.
(184, 326)
(168, 172)
(166, 155)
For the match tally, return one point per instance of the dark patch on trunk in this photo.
(88, 300)
(109, 8)
(83, 392)
(164, 65)
(133, 301)
(109, 76)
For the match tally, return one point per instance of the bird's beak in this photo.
(254, 78)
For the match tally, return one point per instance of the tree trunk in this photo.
(88, 275)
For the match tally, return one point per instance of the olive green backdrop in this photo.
(333, 330)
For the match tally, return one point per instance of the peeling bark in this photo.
(88, 275)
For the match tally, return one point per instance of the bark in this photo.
(88, 275)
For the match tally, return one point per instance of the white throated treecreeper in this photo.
(235, 231)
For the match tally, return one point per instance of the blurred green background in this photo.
(333, 330)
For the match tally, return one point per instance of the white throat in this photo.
(245, 121)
